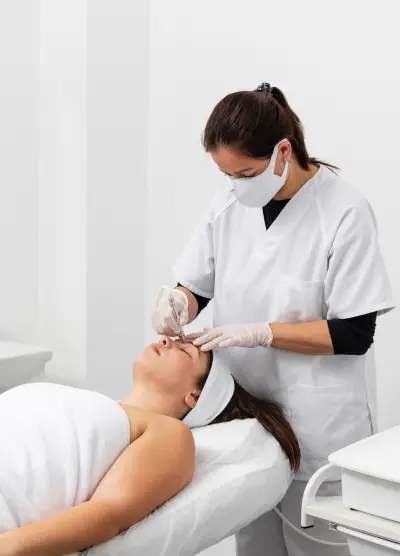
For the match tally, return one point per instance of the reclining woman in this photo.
(77, 468)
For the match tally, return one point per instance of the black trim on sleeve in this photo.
(202, 302)
(352, 336)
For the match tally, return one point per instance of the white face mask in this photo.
(258, 191)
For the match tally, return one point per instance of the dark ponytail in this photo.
(298, 141)
(253, 122)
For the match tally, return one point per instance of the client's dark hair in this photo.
(269, 414)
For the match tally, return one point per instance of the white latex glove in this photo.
(163, 319)
(234, 335)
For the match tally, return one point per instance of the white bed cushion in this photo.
(241, 473)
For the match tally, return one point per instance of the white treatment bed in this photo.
(241, 473)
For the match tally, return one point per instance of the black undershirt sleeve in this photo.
(353, 336)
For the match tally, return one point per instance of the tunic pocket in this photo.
(298, 300)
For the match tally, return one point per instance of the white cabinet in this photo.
(20, 363)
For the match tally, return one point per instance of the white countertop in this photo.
(11, 350)
(377, 456)
(21, 363)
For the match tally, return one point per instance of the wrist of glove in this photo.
(163, 320)
(232, 335)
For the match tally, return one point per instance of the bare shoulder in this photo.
(155, 467)
(172, 429)
(155, 424)
(167, 440)
(173, 437)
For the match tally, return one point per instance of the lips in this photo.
(155, 349)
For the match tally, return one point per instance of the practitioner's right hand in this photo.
(163, 319)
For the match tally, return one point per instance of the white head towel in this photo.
(215, 396)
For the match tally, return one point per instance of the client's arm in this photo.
(149, 472)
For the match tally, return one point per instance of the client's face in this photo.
(173, 367)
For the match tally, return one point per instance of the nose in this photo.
(167, 342)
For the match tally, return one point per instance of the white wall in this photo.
(73, 142)
(338, 66)
(117, 106)
(62, 188)
(19, 51)
(92, 191)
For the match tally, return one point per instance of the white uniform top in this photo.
(320, 259)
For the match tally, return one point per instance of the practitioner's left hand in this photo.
(233, 335)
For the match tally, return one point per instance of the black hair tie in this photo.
(264, 88)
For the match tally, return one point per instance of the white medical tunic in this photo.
(319, 260)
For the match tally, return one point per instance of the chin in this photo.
(146, 363)
(146, 355)
(138, 359)
(141, 362)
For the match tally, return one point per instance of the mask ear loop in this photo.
(289, 162)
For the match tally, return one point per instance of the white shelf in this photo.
(331, 509)
(20, 363)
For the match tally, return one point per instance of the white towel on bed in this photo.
(56, 444)
(241, 473)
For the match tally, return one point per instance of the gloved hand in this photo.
(234, 335)
(163, 319)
